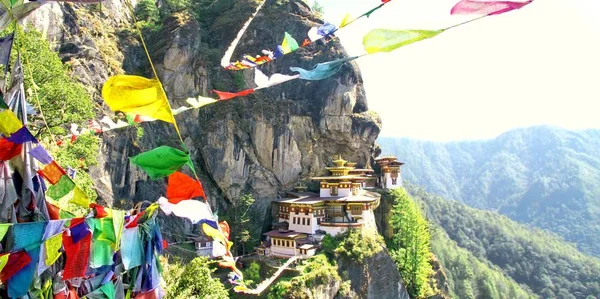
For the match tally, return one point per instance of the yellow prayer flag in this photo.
(139, 95)
(80, 198)
(3, 260)
(53, 249)
(118, 217)
(9, 123)
(345, 20)
(385, 40)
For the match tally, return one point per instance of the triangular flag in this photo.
(137, 95)
(9, 123)
(8, 149)
(200, 101)
(194, 210)
(182, 187)
(289, 44)
(80, 198)
(490, 8)
(52, 172)
(322, 70)
(345, 20)
(223, 95)
(61, 188)
(161, 161)
(385, 40)
(3, 229)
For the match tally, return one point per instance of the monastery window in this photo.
(303, 221)
(334, 190)
(294, 218)
(319, 221)
(308, 221)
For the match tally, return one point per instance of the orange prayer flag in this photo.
(52, 172)
(223, 95)
(182, 187)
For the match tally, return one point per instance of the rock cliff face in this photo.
(260, 144)
(375, 277)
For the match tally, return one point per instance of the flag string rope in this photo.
(226, 60)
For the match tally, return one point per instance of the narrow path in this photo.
(265, 283)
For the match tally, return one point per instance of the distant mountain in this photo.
(484, 242)
(543, 176)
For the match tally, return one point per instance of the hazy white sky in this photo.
(538, 65)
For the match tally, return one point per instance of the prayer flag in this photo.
(193, 210)
(9, 123)
(346, 20)
(3, 260)
(326, 29)
(61, 188)
(490, 8)
(137, 95)
(161, 161)
(14, 263)
(40, 154)
(5, 49)
(385, 40)
(22, 135)
(52, 172)
(17, 13)
(3, 229)
(53, 246)
(131, 248)
(322, 70)
(263, 81)
(80, 198)
(289, 44)
(9, 149)
(77, 251)
(223, 95)
(182, 187)
(200, 101)
(313, 34)
(118, 221)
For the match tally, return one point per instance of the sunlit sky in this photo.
(535, 66)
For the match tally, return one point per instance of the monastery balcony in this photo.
(342, 224)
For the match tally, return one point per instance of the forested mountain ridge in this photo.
(544, 176)
(547, 265)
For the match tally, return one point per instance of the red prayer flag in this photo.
(99, 211)
(225, 228)
(490, 8)
(306, 42)
(52, 172)
(78, 255)
(223, 95)
(16, 262)
(385, 1)
(182, 187)
(53, 211)
(9, 150)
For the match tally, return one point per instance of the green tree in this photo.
(63, 100)
(317, 7)
(252, 274)
(240, 222)
(193, 281)
(410, 247)
(147, 11)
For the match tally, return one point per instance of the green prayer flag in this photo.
(3, 229)
(368, 13)
(2, 103)
(161, 161)
(109, 290)
(103, 238)
(289, 44)
(385, 40)
(61, 188)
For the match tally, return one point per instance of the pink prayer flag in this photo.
(490, 8)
